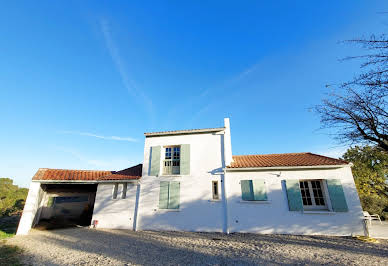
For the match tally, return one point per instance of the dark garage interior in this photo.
(65, 205)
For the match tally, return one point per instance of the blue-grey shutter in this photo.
(174, 195)
(337, 195)
(294, 196)
(155, 161)
(259, 189)
(163, 195)
(185, 159)
(246, 190)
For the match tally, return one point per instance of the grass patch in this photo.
(9, 255)
(4, 235)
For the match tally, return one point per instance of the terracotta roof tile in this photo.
(87, 175)
(129, 173)
(284, 159)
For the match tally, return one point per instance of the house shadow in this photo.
(190, 248)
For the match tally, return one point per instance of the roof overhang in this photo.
(184, 132)
(85, 181)
(307, 167)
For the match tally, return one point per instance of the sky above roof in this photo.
(81, 81)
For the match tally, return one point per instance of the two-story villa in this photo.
(190, 181)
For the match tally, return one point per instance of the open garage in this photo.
(66, 205)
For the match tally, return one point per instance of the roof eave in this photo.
(184, 132)
(231, 169)
(85, 181)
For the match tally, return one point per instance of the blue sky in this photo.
(81, 81)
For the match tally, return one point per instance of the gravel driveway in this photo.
(83, 246)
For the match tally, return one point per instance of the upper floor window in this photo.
(172, 158)
(313, 196)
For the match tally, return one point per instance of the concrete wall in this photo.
(197, 211)
(115, 213)
(31, 208)
(275, 217)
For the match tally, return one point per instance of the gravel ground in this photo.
(83, 246)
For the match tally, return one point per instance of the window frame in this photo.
(175, 170)
(124, 191)
(314, 206)
(215, 190)
(115, 190)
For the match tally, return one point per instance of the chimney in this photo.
(227, 143)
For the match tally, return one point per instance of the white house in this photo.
(189, 181)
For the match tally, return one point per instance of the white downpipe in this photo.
(227, 158)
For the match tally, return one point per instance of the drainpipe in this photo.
(227, 159)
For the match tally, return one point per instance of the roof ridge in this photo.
(315, 154)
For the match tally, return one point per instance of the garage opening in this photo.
(66, 205)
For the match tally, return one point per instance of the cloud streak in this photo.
(128, 82)
(129, 139)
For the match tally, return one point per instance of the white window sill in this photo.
(171, 175)
(214, 200)
(255, 201)
(167, 210)
(319, 212)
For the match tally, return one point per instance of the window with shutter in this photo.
(155, 161)
(253, 190)
(169, 195)
(337, 195)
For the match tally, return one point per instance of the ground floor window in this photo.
(216, 194)
(169, 195)
(313, 194)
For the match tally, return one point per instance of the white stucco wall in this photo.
(197, 211)
(275, 217)
(30, 208)
(115, 213)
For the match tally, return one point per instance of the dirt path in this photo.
(82, 246)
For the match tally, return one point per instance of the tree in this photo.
(370, 175)
(358, 112)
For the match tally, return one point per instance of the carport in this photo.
(60, 198)
(66, 205)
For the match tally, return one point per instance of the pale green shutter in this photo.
(163, 195)
(337, 195)
(174, 195)
(155, 161)
(185, 159)
(259, 189)
(293, 195)
(246, 190)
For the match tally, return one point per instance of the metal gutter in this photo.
(287, 167)
(85, 181)
(184, 132)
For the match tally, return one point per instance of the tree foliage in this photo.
(370, 171)
(12, 198)
(358, 111)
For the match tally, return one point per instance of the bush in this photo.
(12, 198)
(375, 204)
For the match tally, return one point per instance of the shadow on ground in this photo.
(103, 247)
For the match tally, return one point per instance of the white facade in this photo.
(274, 217)
(116, 213)
(205, 155)
(197, 211)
